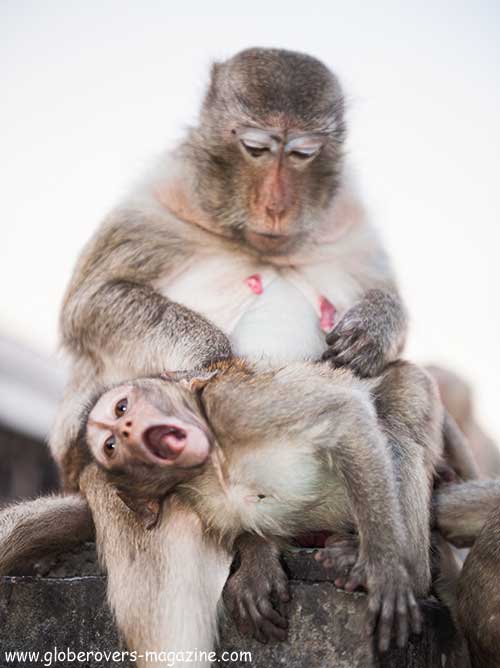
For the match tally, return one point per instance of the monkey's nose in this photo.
(275, 212)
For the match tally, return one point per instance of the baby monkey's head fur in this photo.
(149, 435)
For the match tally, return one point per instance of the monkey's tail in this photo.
(49, 524)
(457, 451)
(461, 510)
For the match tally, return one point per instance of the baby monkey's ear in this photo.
(194, 380)
(146, 509)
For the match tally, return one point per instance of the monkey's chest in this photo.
(269, 313)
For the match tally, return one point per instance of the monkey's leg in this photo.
(457, 450)
(255, 593)
(410, 414)
(32, 529)
(478, 595)
(356, 448)
(370, 335)
(164, 585)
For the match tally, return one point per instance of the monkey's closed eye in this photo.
(302, 155)
(121, 407)
(110, 446)
(253, 150)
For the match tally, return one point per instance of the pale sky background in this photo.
(90, 92)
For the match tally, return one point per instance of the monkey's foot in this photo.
(339, 554)
(256, 596)
(392, 607)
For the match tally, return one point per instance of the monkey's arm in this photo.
(32, 529)
(461, 510)
(112, 311)
(370, 335)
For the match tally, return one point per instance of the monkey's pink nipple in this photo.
(254, 282)
(327, 314)
(165, 441)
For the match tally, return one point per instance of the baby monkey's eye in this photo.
(110, 446)
(121, 407)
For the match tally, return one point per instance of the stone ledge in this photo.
(326, 625)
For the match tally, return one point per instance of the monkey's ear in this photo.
(146, 509)
(197, 382)
(191, 380)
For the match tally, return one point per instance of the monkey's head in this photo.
(268, 150)
(149, 435)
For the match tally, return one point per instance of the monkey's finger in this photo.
(353, 583)
(243, 623)
(263, 630)
(373, 610)
(386, 622)
(342, 330)
(341, 342)
(282, 589)
(415, 614)
(266, 610)
(273, 632)
(340, 582)
(402, 619)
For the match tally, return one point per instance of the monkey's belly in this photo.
(280, 326)
(265, 314)
(279, 491)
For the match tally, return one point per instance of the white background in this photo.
(91, 91)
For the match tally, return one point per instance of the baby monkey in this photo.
(285, 452)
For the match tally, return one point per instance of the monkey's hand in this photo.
(370, 335)
(256, 594)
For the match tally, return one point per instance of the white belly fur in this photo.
(280, 325)
(263, 494)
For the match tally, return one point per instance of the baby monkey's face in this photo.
(151, 421)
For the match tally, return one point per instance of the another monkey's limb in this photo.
(157, 578)
(31, 529)
(461, 510)
(370, 335)
(457, 451)
(254, 595)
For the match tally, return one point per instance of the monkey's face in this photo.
(279, 186)
(271, 139)
(149, 435)
(147, 422)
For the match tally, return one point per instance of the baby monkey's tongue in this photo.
(165, 441)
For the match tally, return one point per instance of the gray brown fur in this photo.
(248, 412)
(32, 529)
(115, 323)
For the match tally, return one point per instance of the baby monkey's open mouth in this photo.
(165, 441)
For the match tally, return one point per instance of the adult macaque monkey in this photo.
(252, 223)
